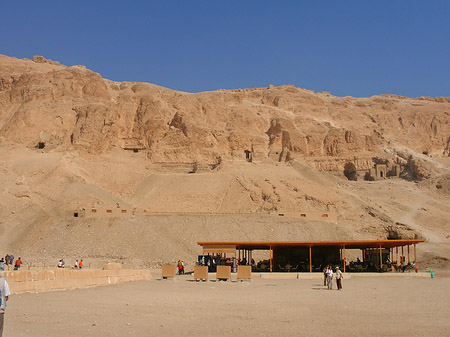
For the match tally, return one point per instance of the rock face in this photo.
(71, 140)
(75, 108)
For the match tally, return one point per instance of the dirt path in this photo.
(408, 219)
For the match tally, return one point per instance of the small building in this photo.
(380, 171)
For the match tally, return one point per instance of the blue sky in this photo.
(357, 48)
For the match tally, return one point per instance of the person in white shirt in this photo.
(339, 277)
(4, 296)
(330, 278)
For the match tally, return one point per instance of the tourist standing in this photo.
(325, 272)
(4, 296)
(214, 268)
(18, 263)
(76, 264)
(81, 264)
(11, 259)
(330, 278)
(7, 259)
(339, 277)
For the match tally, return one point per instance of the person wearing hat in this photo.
(339, 277)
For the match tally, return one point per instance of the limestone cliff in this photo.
(68, 108)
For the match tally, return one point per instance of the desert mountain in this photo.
(149, 171)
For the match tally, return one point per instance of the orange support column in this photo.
(381, 258)
(415, 261)
(310, 260)
(270, 258)
(408, 255)
(344, 258)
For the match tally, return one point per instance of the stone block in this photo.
(244, 272)
(200, 273)
(223, 272)
(168, 270)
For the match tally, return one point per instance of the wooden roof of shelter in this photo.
(356, 244)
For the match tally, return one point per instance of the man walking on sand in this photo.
(4, 296)
(339, 277)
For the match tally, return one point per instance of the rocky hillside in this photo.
(72, 141)
(68, 108)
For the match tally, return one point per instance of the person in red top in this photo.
(18, 263)
(80, 265)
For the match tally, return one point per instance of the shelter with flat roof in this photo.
(314, 255)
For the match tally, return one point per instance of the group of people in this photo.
(77, 265)
(328, 277)
(180, 266)
(9, 260)
(408, 267)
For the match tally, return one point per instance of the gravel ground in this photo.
(369, 306)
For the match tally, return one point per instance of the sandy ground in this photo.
(367, 306)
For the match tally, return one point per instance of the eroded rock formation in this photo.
(73, 107)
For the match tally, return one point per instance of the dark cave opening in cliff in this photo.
(350, 171)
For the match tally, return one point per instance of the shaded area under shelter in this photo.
(313, 256)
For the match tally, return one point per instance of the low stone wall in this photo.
(316, 216)
(63, 279)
